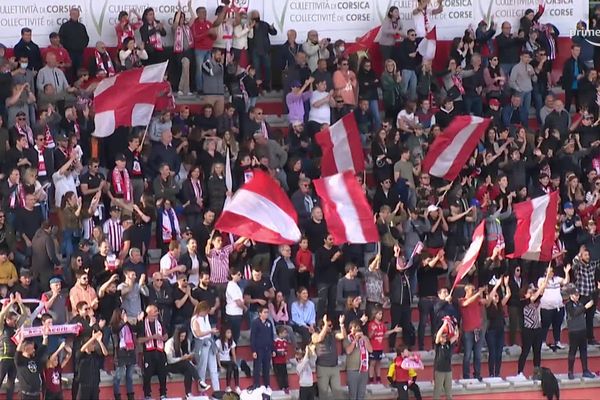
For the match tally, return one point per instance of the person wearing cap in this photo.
(576, 325)
(62, 55)
(522, 77)
(61, 151)
(296, 99)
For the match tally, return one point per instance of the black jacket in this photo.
(189, 195)
(283, 278)
(509, 48)
(73, 36)
(146, 32)
(568, 77)
(32, 52)
(261, 43)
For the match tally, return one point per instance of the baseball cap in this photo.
(55, 280)
(432, 208)
(494, 102)
(568, 204)
(120, 157)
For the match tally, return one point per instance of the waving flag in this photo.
(342, 149)
(260, 210)
(536, 224)
(128, 98)
(365, 42)
(427, 46)
(347, 211)
(451, 150)
(471, 255)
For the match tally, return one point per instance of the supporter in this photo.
(345, 84)
(152, 32)
(509, 47)
(130, 293)
(280, 345)
(160, 295)
(585, 280)
(391, 32)
(29, 365)
(445, 337)
(27, 48)
(261, 343)
(212, 85)
(124, 349)
(151, 335)
(19, 106)
(575, 325)
(315, 49)
(74, 37)
(259, 48)
(205, 349)
(305, 361)
(62, 55)
(226, 357)
(131, 54)
(235, 303)
(125, 28)
(376, 333)
(168, 229)
(81, 292)
(239, 45)
(303, 315)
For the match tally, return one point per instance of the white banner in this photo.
(336, 19)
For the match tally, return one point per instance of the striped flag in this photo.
(451, 150)
(347, 211)
(536, 224)
(472, 253)
(342, 149)
(416, 251)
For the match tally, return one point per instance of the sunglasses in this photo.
(21, 119)
(159, 280)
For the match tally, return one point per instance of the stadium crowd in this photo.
(79, 221)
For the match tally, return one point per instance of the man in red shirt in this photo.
(470, 310)
(204, 33)
(62, 55)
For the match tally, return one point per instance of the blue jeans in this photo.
(409, 83)
(473, 105)
(128, 370)
(472, 347)
(201, 56)
(206, 360)
(525, 106)
(260, 61)
(374, 108)
(495, 342)
(69, 238)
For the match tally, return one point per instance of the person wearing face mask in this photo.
(315, 49)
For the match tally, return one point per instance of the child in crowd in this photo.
(402, 374)
(377, 332)
(445, 337)
(280, 359)
(306, 359)
(251, 86)
(53, 373)
(226, 358)
(304, 261)
(376, 284)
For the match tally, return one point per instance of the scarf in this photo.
(37, 331)
(179, 32)
(17, 196)
(49, 139)
(156, 344)
(122, 184)
(197, 189)
(170, 225)
(364, 354)
(41, 167)
(457, 81)
(126, 338)
(104, 64)
(27, 132)
(155, 39)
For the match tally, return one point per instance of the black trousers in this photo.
(426, 305)
(185, 368)
(8, 368)
(532, 340)
(307, 393)
(578, 341)
(155, 363)
(401, 316)
(589, 315)
(281, 375)
(231, 369)
(88, 392)
(404, 387)
(326, 303)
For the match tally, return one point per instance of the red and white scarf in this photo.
(457, 81)
(156, 39)
(126, 338)
(364, 354)
(179, 32)
(17, 196)
(156, 344)
(48, 140)
(41, 167)
(122, 184)
(108, 69)
(168, 230)
(27, 132)
(197, 189)
(36, 331)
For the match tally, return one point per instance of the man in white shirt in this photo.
(169, 265)
(66, 179)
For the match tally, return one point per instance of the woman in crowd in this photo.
(227, 359)
(368, 86)
(71, 223)
(205, 350)
(494, 334)
(193, 197)
(179, 358)
(391, 89)
(552, 307)
(391, 31)
(494, 79)
(123, 334)
(152, 33)
(131, 54)
(217, 191)
(183, 50)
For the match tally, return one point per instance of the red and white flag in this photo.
(347, 211)
(471, 255)
(427, 46)
(536, 224)
(260, 210)
(451, 150)
(342, 148)
(128, 98)
(364, 42)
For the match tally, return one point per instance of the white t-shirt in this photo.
(225, 350)
(194, 277)
(552, 298)
(406, 117)
(419, 20)
(232, 294)
(165, 265)
(322, 114)
(204, 325)
(63, 184)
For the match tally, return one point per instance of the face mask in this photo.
(342, 48)
(244, 21)
(23, 65)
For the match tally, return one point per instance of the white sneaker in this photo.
(545, 346)
(559, 345)
(268, 391)
(238, 390)
(203, 386)
(228, 389)
(179, 93)
(521, 376)
(190, 94)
